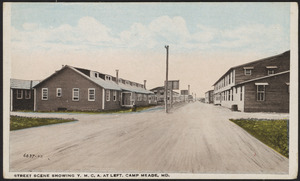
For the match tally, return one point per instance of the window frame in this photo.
(75, 97)
(271, 70)
(21, 93)
(47, 95)
(114, 95)
(260, 94)
(93, 94)
(107, 95)
(58, 91)
(27, 94)
(249, 73)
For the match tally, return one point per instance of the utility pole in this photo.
(166, 82)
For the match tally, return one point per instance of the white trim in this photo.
(11, 99)
(21, 94)
(58, 91)
(103, 98)
(271, 67)
(34, 99)
(89, 99)
(261, 83)
(46, 93)
(73, 96)
(248, 68)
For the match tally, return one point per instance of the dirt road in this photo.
(195, 138)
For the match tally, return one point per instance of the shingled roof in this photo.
(22, 84)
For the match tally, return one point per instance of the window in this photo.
(127, 82)
(271, 71)
(58, 92)
(91, 94)
(134, 84)
(75, 96)
(260, 92)
(27, 94)
(107, 77)
(96, 75)
(139, 97)
(145, 97)
(19, 94)
(44, 93)
(115, 95)
(241, 94)
(248, 70)
(107, 93)
(120, 80)
(229, 95)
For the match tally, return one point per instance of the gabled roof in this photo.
(134, 89)
(22, 84)
(264, 77)
(156, 88)
(111, 85)
(249, 63)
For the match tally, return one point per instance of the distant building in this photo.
(22, 94)
(258, 86)
(209, 96)
(160, 95)
(73, 88)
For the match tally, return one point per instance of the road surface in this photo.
(195, 138)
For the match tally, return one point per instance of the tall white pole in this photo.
(166, 82)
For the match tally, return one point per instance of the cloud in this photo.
(90, 34)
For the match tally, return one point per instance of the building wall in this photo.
(259, 68)
(276, 95)
(23, 103)
(67, 79)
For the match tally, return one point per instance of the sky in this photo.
(205, 39)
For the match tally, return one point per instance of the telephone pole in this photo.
(166, 82)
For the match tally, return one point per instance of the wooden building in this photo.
(22, 94)
(160, 95)
(209, 96)
(258, 86)
(80, 89)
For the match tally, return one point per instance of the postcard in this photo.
(150, 90)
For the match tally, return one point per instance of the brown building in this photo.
(22, 94)
(209, 96)
(258, 86)
(160, 95)
(80, 89)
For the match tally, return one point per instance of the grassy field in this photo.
(18, 122)
(123, 110)
(273, 133)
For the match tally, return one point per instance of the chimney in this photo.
(31, 84)
(145, 84)
(117, 76)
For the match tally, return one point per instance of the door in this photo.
(126, 98)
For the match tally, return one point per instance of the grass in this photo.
(273, 133)
(123, 110)
(18, 122)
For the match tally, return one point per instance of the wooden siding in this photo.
(276, 95)
(259, 68)
(68, 79)
(22, 104)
